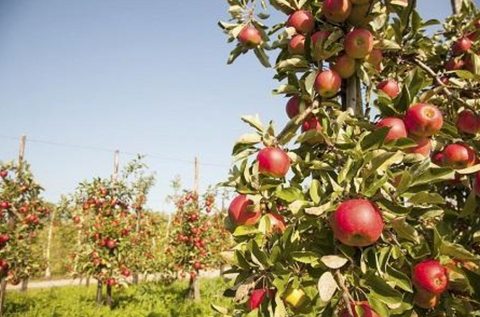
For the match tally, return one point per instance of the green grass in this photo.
(145, 300)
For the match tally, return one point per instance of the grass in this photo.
(145, 300)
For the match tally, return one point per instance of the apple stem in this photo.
(347, 297)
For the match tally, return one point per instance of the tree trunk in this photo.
(456, 6)
(48, 270)
(194, 290)
(99, 293)
(24, 286)
(135, 278)
(87, 281)
(353, 96)
(3, 292)
(109, 297)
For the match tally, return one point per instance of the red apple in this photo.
(344, 66)
(426, 299)
(397, 128)
(258, 296)
(461, 46)
(111, 244)
(454, 65)
(273, 162)
(458, 156)
(366, 309)
(423, 120)
(303, 21)
(197, 266)
(250, 37)
(295, 106)
(317, 40)
(297, 45)
(357, 223)
(328, 83)
(277, 223)
(312, 124)
(4, 205)
(468, 122)
(358, 43)
(430, 276)
(239, 213)
(424, 146)
(3, 174)
(437, 158)
(375, 57)
(472, 36)
(390, 87)
(337, 10)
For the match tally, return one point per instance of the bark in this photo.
(3, 292)
(353, 95)
(456, 6)
(99, 293)
(24, 286)
(109, 297)
(194, 290)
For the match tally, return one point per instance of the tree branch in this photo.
(444, 87)
(347, 297)
(296, 122)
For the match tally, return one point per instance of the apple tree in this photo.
(365, 203)
(111, 245)
(22, 213)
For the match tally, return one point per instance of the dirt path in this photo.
(76, 282)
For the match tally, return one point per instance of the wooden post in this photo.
(21, 156)
(456, 6)
(196, 185)
(194, 282)
(115, 165)
(48, 270)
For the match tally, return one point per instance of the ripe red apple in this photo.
(437, 158)
(430, 276)
(337, 10)
(390, 87)
(258, 296)
(111, 244)
(126, 272)
(468, 122)
(4, 238)
(273, 162)
(312, 124)
(454, 65)
(4, 205)
(277, 223)
(476, 184)
(425, 299)
(424, 146)
(250, 37)
(461, 46)
(328, 83)
(458, 156)
(358, 43)
(295, 106)
(239, 213)
(197, 266)
(367, 310)
(375, 57)
(303, 21)
(344, 66)
(472, 36)
(76, 219)
(397, 128)
(297, 45)
(3, 174)
(423, 120)
(357, 223)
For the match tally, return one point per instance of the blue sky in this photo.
(139, 76)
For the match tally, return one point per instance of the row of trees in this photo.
(111, 236)
(371, 209)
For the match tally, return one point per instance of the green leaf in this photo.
(314, 189)
(290, 194)
(319, 210)
(381, 290)
(305, 257)
(400, 279)
(374, 140)
(405, 231)
(244, 231)
(334, 261)
(254, 122)
(426, 198)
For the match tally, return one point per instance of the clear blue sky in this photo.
(139, 76)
